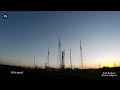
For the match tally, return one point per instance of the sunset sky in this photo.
(25, 34)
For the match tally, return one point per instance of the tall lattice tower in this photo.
(81, 56)
(59, 54)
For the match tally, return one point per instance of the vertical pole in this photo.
(19, 61)
(114, 63)
(48, 57)
(81, 56)
(70, 59)
(99, 65)
(34, 61)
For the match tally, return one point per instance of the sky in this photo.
(25, 34)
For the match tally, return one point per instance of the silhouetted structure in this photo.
(70, 59)
(59, 54)
(114, 64)
(63, 60)
(48, 58)
(19, 61)
(81, 56)
(99, 66)
(34, 61)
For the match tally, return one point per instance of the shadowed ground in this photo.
(67, 74)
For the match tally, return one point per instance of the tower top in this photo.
(59, 41)
(48, 50)
(80, 45)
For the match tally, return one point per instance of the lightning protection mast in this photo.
(48, 58)
(81, 56)
(59, 54)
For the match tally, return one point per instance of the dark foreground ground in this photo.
(20, 73)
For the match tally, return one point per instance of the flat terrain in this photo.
(19, 73)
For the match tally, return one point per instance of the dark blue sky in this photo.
(25, 34)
